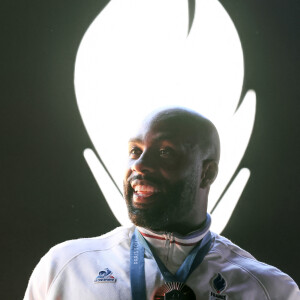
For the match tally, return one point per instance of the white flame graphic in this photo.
(137, 56)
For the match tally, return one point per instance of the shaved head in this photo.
(196, 128)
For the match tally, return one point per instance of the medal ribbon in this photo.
(137, 271)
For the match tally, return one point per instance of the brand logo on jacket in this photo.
(219, 285)
(105, 275)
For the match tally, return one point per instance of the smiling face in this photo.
(162, 185)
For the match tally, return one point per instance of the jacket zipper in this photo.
(169, 237)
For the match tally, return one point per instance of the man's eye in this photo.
(166, 152)
(135, 152)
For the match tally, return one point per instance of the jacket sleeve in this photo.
(41, 278)
(278, 285)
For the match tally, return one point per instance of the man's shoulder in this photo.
(229, 249)
(268, 277)
(99, 243)
(65, 257)
(64, 252)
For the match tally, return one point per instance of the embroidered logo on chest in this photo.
(219, 285)
(105, 275)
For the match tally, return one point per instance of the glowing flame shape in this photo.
(136, 56)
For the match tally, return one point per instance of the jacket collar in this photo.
(172, 248)
(190, 239)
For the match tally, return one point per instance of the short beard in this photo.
(173, 207)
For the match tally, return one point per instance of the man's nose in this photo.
(144, 164)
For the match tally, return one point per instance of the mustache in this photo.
(147, 177)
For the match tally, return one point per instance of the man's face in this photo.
(163, 176)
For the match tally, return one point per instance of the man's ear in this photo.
(209, 173)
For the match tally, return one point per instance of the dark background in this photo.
(48, 194)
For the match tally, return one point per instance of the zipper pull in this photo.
(167, 237)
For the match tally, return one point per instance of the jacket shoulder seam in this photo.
(81, 253)
(246, 270)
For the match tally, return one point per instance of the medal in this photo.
(174, 290)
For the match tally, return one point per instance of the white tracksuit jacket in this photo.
(98, 268)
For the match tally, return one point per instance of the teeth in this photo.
(145, 188)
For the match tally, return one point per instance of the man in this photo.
(170, 253)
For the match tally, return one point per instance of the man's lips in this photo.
(143, 190)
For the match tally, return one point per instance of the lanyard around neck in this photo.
(137, 270)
